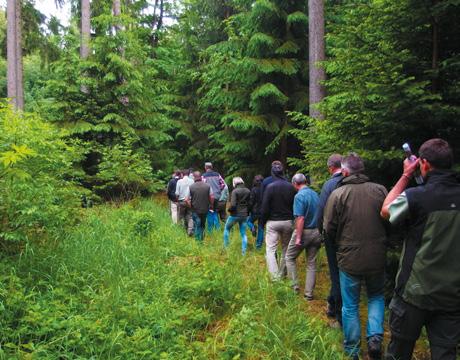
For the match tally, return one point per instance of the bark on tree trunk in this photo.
(118, 27)
(117, 13)
(19, 68)
(316, 55)
(85, 28)
(11, 52)
(85, 35)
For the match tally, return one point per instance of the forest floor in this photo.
(128, 284)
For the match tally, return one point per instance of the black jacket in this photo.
(278, 200)
(256, 200)
(171, 192)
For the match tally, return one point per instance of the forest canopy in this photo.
(141, 88)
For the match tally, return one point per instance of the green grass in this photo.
(127, 284)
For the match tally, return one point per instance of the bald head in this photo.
(197, 176)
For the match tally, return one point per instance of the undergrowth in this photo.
(127, 284)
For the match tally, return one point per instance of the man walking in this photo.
(201, 200)
(171, 193)
(182, 192)
(276, 213)
(217, 184)
(352, 221)
(428, 283)
(305, 236)
(222, 204)
(334, 300)
(269, 179)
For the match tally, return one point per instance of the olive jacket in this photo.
(240, 201)
(352, 221)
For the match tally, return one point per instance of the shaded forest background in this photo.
(171, 84)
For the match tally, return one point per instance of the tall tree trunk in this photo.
(116, 13)
(157, 22)
(116, 6)
(85, 35)
(11, 52)
(19, 68)
(316, 54)
(154, 23)
(85, 28)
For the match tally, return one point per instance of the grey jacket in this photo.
(239, 201)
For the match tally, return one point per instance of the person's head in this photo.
(277, 168)
(257, 181)
(299, 181)
(334, 163)
(435, 154)
(185, 172)
(208, 165)
(237, 181)
(177, 173)
(197, 176)
(352, 164)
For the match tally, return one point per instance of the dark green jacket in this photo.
(352, 220)
(239, 201)
(429, 273)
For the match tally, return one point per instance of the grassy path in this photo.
(127, 284)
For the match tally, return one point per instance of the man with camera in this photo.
(427, 289)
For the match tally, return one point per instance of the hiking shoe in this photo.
(330, 312)
(374, 348)
(308, 297)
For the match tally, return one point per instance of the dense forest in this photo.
(102, 110)
(131, 90)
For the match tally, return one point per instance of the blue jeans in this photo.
(260, 229)
(350, 286)
(232, 220)
(213, 220)
(199, 222)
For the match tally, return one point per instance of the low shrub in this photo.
(38, 198)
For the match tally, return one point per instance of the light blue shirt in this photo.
(306, 205)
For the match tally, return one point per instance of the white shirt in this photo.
(183, 188)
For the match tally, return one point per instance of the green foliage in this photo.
(107, 99)
(38, 200)
(380, 88)
(124, 173)
(128, 284)
(250, 80)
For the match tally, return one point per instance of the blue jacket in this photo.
(328, 187)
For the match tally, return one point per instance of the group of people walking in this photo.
(353, 217)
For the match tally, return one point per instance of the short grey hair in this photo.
(353, 164)
(208, 165)
(334, 161)
(237, 181)
(299, 179)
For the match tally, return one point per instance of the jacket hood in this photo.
(355, 179)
